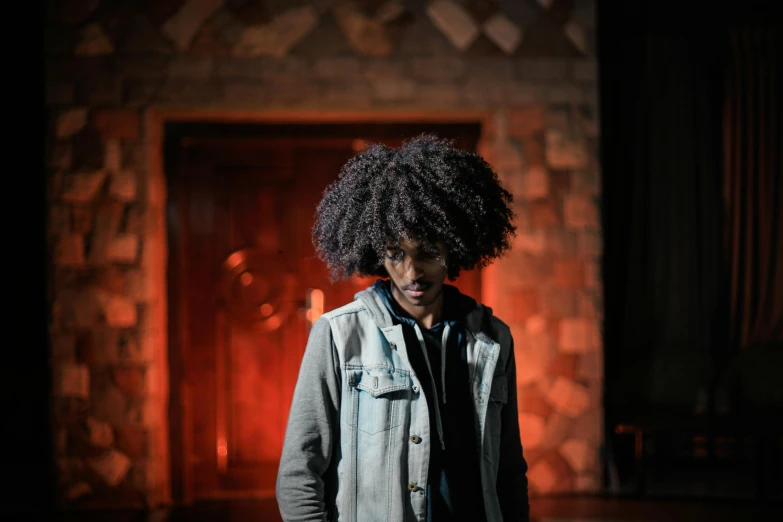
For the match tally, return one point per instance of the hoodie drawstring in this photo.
(443, 342)
(423, 344)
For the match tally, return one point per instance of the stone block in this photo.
(565, 150)
(558, 302)
(503, 32)
(104, 347)
(112, 155)
(531, 430)
(123, 249)
(70, 122)
(530, 398)
(542, 477)
(107, 223)
(560, 243)
(578, 335)
(187, 66)
(59, 221)
(533, 361)
(586, 182)
(111, 466)
(76, 309)
(556, 430)
(60, 156)
(543, 214)
(139, 93)
(569, 273)
(584, 70)
(142, 37)
(568, 397)
(589, 306)
(112, 279)
(533, 149)
(592, 275)
(183, 25)
(542, 70)
(73, 380)
(589, 244)
(591, 368)
(122, 186)
(579, 455)
(118, 311)
(181, 91)
(70, 250)
(437, 69)
(82, 187)
(393, 89)
(82, 219)
(133, 441)
(280, 35)
(531, 242)
(535, 325)
(445, 95)
(130, 381)
(507, 156)
(78, 490)
(454, 21)
(366, 36)
(588, 426)
(101, 434)
(120, 124)
(580, 212)
(339, 68)
(589, 483)
(565, 365)
(578, 36)
(63, 349)
(535, 182)
(110, 405)
(94, 42)
(523, 303)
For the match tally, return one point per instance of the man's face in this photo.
(417, 273)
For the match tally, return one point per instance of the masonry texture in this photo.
(528, 65)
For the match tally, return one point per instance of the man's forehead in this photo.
(411, 244)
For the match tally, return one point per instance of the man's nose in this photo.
(413, 269)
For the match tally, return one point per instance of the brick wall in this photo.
(525, 68)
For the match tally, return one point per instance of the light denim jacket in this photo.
(357, 444)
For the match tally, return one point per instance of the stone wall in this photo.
(525, 68)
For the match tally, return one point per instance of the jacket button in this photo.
(416, 388)
(415, 439)
(393, 346)
(412, 486)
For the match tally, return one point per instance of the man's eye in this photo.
(395, 256)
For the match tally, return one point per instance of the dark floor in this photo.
(549, 509)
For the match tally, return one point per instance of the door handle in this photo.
(314, 304)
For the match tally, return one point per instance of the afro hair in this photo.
(427, 191)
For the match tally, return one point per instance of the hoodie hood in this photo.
(378, 301)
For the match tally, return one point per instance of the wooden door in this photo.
(242, 274)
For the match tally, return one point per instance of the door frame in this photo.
(173, 410)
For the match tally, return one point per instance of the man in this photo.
(406, 405)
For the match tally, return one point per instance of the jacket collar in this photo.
(477, 321)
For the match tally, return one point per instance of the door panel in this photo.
(242, 263)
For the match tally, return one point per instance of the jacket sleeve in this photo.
(304, 477)
(512, 474)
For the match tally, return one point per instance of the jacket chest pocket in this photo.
(377, 397)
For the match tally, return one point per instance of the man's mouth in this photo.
(416, 290)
